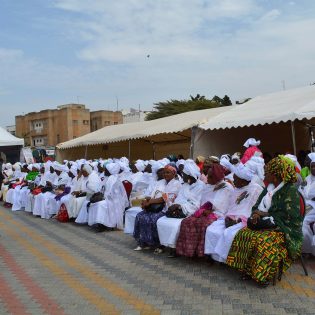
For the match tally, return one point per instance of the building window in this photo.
(74, 122)
(85, 122)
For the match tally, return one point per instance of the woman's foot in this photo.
(264, 284)
(172, 253)
(245, 277)
(158, 251)
(138, 248)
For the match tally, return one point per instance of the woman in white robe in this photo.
(92, 186)
(163, 194)
(131, 213)
(187, 202)
(109, 212)
(220, 234)
(308, 192)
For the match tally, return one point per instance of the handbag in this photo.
(262, 223)
(155, 207)
(62, 215)
(96, 197)
(176, 213)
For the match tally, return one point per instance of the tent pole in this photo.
(129, 150)
(293, 137)
(192, 140)
(153, 147)
(85, 154)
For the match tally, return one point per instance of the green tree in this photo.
(173, 107)
(226, 101)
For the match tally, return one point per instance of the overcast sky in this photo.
(139, 52)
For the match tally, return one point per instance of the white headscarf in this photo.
(88, 168)
(244, 172)
(74, 170)
(312, 157)
(191, 169)
(180, 162)
(140, 165)
(156, 166)
(113, 168)
(251, 142)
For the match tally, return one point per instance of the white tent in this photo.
(10, 146)
(7, 139)
(147, 139)
(282, 120)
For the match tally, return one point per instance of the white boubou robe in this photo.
(218, 238)
(92, 186)
(308, 235)
(189, 198)
(109, 212)
(154, 191)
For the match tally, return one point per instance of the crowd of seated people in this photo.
(243, 209)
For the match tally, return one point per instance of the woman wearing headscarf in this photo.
(186, 203)
(92, 185)
(109, 212)
(215, 200)
(252, 149)
(164, 193)
(136, 200)
(220, 234)
(308, 192)
(257, 254)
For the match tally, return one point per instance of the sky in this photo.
(132, 53)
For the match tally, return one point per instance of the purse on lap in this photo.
(155, 207)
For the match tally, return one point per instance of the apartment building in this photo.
(52, 126)
(104, 118)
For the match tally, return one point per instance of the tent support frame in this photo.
(293, 137)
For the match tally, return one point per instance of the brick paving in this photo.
(62, 268)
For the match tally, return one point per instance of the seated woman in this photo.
(257, 254)
(131, 213)
(109, 213)
(185, 205)
(215, 201)
(220, 234)
(308, 192)
(164, 193)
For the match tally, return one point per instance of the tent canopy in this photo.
(271, 108)
(7, 139)
(158, 130)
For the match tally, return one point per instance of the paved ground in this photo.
(61, 268)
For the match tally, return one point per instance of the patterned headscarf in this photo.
(171, 168)
(283, 168)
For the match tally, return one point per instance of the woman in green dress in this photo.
(257, 254)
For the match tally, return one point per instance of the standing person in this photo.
(252, 149)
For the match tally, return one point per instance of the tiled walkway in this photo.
(49, 267)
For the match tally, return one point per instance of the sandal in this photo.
(245, 277)
(158, 251)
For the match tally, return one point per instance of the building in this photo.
(133, 115)
(51, 126)
(103, 118)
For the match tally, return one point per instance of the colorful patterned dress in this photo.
(258, 253)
